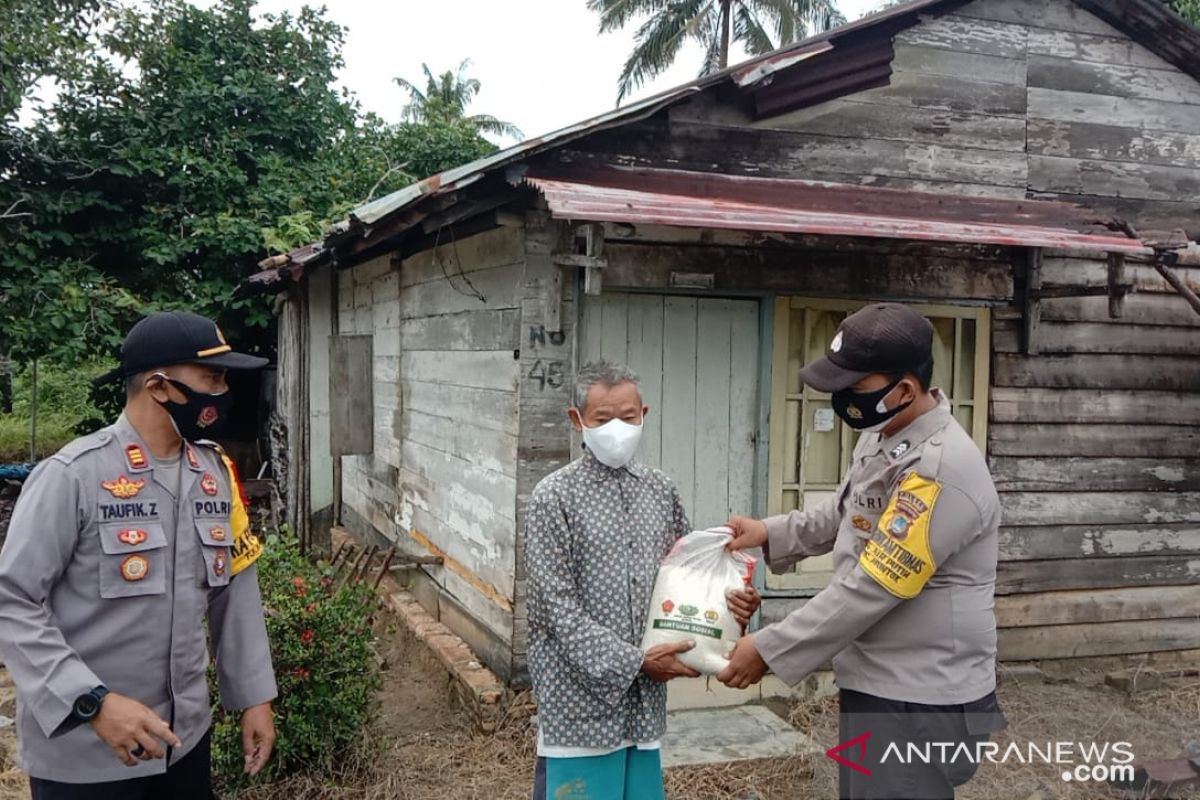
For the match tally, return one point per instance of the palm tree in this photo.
(760, 26)
(445, 100)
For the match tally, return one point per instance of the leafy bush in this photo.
(66, 407)
(322, 645)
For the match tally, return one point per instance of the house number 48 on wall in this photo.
(547, 373)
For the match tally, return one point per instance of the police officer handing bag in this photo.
(907, 618)
(120, 546)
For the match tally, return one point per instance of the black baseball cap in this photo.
(884, 337)
(177, 337)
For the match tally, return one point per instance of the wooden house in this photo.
(1025, 172)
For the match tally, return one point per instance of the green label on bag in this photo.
(686, 627)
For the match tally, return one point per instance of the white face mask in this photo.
(613, 443)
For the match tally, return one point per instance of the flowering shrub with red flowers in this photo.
(322, 645)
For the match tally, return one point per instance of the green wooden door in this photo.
(698, 363)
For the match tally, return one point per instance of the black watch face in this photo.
(86, 706)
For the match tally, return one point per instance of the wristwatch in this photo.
(87, 706)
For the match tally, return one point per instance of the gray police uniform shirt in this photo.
(106, 579)
(908, 614)
(594, 537)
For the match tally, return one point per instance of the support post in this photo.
(1116, 284)
(1033, 305)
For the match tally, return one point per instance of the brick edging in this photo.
(479, 689)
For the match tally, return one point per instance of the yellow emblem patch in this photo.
(246, 546)
(898, 555)
(123, 488)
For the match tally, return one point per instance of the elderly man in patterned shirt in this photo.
(595, 533)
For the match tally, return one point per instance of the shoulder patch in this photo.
(898, 555)
(84, 444)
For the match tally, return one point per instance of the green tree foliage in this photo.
(445, 99)
(1189, 10)
(181, 145)
(760, 26)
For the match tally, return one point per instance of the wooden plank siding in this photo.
(443, 475)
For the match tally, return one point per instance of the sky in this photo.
(541, 63)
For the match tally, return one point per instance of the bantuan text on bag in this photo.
(689, 599)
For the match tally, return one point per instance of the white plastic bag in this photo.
(689, 602)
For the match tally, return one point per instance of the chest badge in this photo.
(135, 568)
(123, 488)
(219, 563)
(899, 449)
(209, 484)
(861, 522)
(217, 534)
(132, 537)
(136, 457)
(193, 459)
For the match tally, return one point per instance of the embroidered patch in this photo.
(193, 460)
(899, 449)
(219, 563)
(217, 534)
(135, 568)
(862, 523)
(209, 484)
(123, 488)
(135, 456)
(898, 555)
(853, 412)
(132, 537)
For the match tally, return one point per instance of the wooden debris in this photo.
(1132, 681)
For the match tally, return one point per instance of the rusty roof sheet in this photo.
(667, 197)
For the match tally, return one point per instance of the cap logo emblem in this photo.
(132, 537)
(209, 484)
(208, 415)
(135, 568)
(853, 412)
(836, 345)
(123, 488)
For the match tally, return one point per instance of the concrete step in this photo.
(720, 735)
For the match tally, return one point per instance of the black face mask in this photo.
(202, 415)
(860, 410)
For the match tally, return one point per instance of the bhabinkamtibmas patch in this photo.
(898, 556)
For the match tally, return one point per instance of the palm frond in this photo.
(489, 124)
(750, 31)
(657, 42)
(616, 14)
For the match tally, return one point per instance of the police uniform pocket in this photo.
(216, 541)
(132, 559)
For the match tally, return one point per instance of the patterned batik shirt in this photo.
(594, 537)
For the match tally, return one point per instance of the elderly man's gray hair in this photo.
(608, 373)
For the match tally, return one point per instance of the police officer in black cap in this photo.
(120, 547)
(907, 618)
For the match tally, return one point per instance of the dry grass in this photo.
(424, 748)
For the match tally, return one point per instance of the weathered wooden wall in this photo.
(1095, 447)
(548, 353)
(443, 475)
(1006, 98)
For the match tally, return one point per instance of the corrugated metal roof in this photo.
(819, 208)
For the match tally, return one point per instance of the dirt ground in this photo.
(422, 747)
